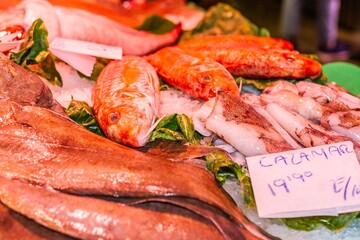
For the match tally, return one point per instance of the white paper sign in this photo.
(81, 55)
(323, 180)
(86, 48)
(82, 63)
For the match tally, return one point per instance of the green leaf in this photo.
(83, 114)
(222, 166)
(34, 55)
(223, 19)
(311, 223)
(156, 25)
(186, 127)
(166, 134)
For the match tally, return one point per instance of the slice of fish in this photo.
(232, 41)
(58, 153)
(262, 63)
(90, 218)
(126, 100)
(244, 128)
(86, 26)
(15, 226)
(193, 74)
(19, 85)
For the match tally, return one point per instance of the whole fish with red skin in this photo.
(46, 153)
(198, 76)
(232, 41)
(126, 100)
(261, 63)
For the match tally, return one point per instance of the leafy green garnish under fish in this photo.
(224, 19)
(311, 223)
(176, 127)
(83, 114)
(34, 54)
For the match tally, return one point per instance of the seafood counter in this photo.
(154, 145)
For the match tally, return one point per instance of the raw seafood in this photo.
(338, 100)
(306, 132)
(16, 227)
(232, 41)
(46, 153)
(254, 57)
(195, 75)
(286, 95)
(261, 63)
(99, 219)
(24, 87)
(126, 100)
(249, 132)
(345, 122)
(83, 25)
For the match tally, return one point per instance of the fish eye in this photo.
(207, 78)
(114, 117)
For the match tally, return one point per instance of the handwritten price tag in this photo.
(81, 55)
(323, 180)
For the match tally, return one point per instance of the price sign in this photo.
(81, 55)
(86, 48)
(323, 180)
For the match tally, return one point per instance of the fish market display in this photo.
(195, 75)
(126, 100)
(175, 121)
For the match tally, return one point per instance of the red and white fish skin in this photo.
(195, 75)
(126, 100)
(232, 41)
(86, 26)
(263, 63)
